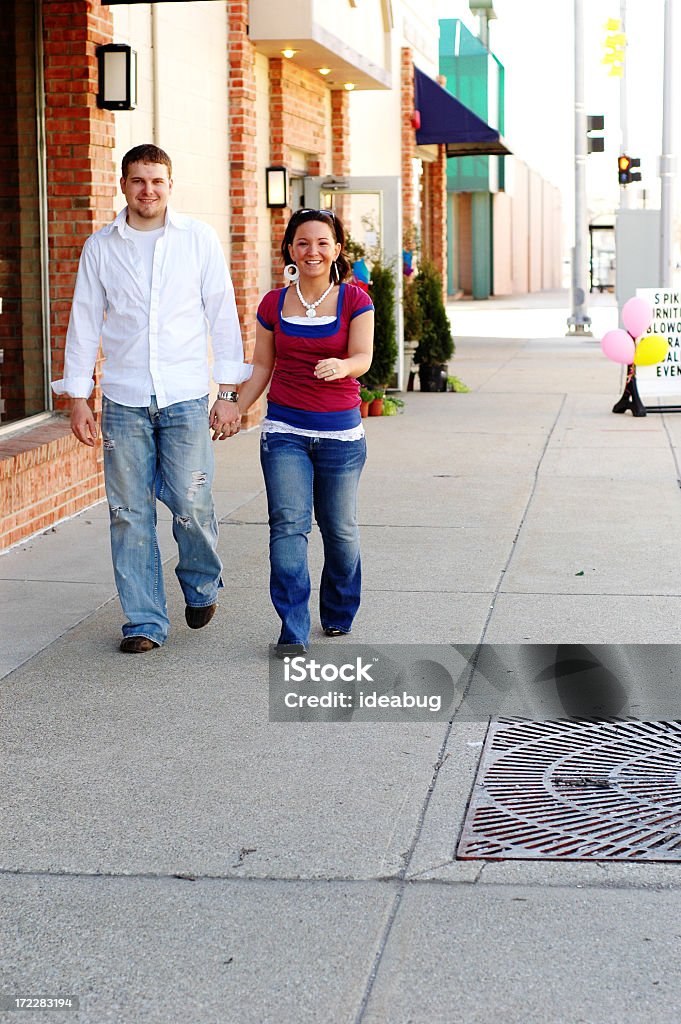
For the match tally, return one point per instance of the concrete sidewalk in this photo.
(168, 855)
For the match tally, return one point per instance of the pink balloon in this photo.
(637, 315)
(618, 346)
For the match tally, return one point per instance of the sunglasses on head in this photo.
(324, 213)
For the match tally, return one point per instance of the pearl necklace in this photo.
(311, 307)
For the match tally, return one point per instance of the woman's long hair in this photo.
(324, 217)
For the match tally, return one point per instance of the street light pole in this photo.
(579, 322)
(667, 170)
(624, 126)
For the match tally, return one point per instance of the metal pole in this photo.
(579, 322)
(624, 126)
(667, 170)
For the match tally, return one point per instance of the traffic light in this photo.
(625, 175)
(595, 143)
(624, 169)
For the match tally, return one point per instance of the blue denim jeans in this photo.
(166, 454)
(302, 474)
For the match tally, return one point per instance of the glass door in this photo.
(371, 212)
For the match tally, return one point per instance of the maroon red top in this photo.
(299, 347)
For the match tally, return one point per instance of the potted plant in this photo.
(376, 404)
(436, 345)
(365, 398)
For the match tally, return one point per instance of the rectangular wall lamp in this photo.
(276, 187)
(117, 73)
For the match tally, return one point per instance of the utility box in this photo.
(637, 246)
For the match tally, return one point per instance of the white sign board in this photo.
(663, 379)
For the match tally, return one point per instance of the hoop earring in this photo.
(291, 273)
(335, 272)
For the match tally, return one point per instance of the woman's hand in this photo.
(224, 420)
(331, 369)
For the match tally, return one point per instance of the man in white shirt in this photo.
(151, 284)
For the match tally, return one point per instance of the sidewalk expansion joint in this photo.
(523, 517)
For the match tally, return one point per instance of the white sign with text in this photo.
(663, 379)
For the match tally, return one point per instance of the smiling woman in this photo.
(314, 338)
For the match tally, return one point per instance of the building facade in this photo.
(230, 88)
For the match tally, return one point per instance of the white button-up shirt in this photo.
(154, 335)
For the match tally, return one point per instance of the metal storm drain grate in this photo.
(576, 789)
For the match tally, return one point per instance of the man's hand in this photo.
(224, 419)
(83, 424)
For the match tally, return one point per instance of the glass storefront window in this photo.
(22, 361)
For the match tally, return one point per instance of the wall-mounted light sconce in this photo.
(117, 72)
(276, 187)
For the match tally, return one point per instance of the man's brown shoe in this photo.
(137, 645)
(198, 617)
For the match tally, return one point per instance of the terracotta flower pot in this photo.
(363, 409)
(376, 407)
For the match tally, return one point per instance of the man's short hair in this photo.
(146, 154)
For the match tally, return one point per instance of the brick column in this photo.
(408, 141)
(436, 186)
(81, 178)
(340, 145)
(278, 155)
(340, 131)
(243, 197)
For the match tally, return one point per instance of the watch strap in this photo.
(228, 396)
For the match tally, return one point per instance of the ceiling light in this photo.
(288, 53)
(324, 71)
(349, 86)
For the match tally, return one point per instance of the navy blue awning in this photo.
(444, 119)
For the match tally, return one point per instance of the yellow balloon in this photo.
(651, 349)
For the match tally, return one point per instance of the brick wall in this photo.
(45, 474)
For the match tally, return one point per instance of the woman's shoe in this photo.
(332, 631)
(289, 650)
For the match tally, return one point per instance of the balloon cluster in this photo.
(622, 347)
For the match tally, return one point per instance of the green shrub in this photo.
(413, 315)
(382, 292)
(436, 344)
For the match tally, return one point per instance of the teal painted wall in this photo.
(481, 216)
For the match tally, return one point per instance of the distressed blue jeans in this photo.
(302, 474)
(166, 454)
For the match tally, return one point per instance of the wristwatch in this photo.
(228, 396)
